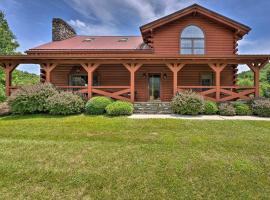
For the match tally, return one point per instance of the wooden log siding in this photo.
(118, 75)
(219, 40)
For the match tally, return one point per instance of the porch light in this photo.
(144, 75)
(165, 76)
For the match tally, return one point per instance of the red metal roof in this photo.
(95, 43)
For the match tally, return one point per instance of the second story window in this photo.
(192, 41)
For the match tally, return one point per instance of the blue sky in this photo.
(30, 20)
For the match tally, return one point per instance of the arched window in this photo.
(192, 40)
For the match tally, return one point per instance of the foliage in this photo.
(261, 107)
(8, 43)
(187, 103)
(97, 105)
(31, 99)
(64, 103)
(4, 109)
(242, 108)
(19, 78)
(118, 108)
(246, 79)
(226, 109)
(2, 93)
(210, 108)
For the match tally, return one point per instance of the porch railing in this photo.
(116, 92)
(227, 93)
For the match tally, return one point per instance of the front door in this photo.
(154, 87)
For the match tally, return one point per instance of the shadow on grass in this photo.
(47, 116)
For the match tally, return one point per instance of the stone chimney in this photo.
(61, 30)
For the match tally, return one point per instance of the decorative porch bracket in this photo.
(8, 69)
(132, 68)
(48, 67)
(175, 68)
(217, 68)
(256, 68)
(90, 68)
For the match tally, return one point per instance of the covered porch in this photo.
(127, 77)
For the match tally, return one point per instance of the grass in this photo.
(83, 157)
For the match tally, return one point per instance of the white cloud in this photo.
(83, 28)
(118, 12)
(254, 46)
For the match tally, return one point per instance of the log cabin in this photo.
(194, 48)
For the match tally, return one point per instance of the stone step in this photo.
(152, 108)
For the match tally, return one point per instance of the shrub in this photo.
(97, 105)
(118, 108)
(226, 109)
(31, 99)
(2, 93)
(210, 108)
(261, 107)
(187, 103)
(242, 108)
(4, 109)
(65, 103)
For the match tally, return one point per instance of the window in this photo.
(207, 79)
(192, 40)
(82, 79)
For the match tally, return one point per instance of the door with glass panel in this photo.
(154, 87)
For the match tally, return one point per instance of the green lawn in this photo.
(83, 157)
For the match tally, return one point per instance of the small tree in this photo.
(8, 43)
(8, 46)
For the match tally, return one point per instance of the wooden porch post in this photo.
(132, 68)
(90, 68)
(8, 69)
(48, 67)
(217, 68)
(175, 68)
(256, 68)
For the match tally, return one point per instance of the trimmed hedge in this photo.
(31, 99)
(118, 108)
(226, 109)
(261, 107)
(210, 108)
(242, 108)
(97, 105)
(65, 103)
(187, 103)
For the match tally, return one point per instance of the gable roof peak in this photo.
(240, 28)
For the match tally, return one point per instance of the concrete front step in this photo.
(152, 108)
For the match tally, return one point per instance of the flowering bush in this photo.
(65, 103)
(261, 107)
(31, 99)
(187, 103)
(226, 109)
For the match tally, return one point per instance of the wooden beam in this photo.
(132, 68)
(175, 68)
(48, 67)
(256, 68)
(217, 68)
(90, 68)
(8, 69)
